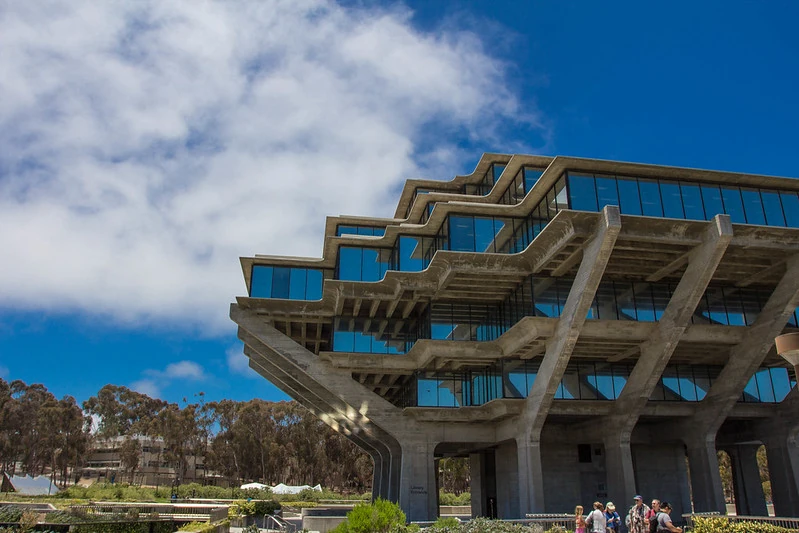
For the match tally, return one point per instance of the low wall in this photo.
(456, 510)
(322, 524)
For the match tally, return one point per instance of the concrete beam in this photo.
(559, 349)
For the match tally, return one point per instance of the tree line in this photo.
(256, 440)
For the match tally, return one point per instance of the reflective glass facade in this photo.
(521, 185)
(360, 230)
(582, 381)
(290, 283)
(386, 336)
(484, 186)
(683, 199)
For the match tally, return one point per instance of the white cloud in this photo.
(238, 363)
(145, 146)
(185, 370)
(146, 386)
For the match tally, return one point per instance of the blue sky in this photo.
(144, 148)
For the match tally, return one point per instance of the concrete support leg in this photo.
(507, 474)
(747, 487)
(706, 487)
(619, 468)
(476, 484)
(783, 467)
(531, 476)
(418, 496)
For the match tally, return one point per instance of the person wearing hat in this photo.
(612, 518)
(636, 518)
(664, 520)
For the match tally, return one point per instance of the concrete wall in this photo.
(661, 472)
(561, 477)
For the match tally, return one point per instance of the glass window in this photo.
(280, 282)
(606, 191)
(790, 206)
(781, 382)
(483, 234)
(773, 208)
(672, 199)
(711, 198)
(314, 285)
(297, 283)
(498, 170)
(650, 198)
(349, 263)
(461, 234)
(629, 200)
(561, 198)
(764, 386)
(261, 282)
(531, 176)
(733, 205)
(582, 193)
(753, 206)
(692, 201)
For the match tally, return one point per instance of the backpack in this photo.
(653, 522)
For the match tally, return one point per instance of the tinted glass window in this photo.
(531, 176)
(314, 287)
(297, 283)
(582, 193)
(711, 198)
(606, 191)
(349, 263)
(280, 282)
(483, 234)
(461, 234)
(650, 198)
(773, 208)
(261, 282)
(672, 200)
(692, 202)
(790, 206)
(753, 206)
(733, 205)
(629, 201)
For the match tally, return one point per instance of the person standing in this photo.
(636, 517)
(596, 519)
(664, 520)
(612, 518)
(579, 520)
(652, 516)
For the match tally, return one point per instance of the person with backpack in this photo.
(664, 524)
(652, 516)
(636, 517)
(596, 519)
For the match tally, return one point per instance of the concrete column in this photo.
(596, 254)
(782, 451)
(531, 476)
(748, 489)
(706, 486)
(476, 484)
(418, 496)
(619, 470)
(507, 472)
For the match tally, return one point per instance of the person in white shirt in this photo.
(596, 519)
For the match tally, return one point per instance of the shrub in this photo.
(720, 524)
(446, 522)
(382, 516)
(448, 498)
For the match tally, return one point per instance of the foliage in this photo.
(253, 507)
(724, 525)
(454, 474)
(252, 528)
(10, 513)
(381, 516)
(446, 522)
(448, 498)
(556, 529)
(298, 505)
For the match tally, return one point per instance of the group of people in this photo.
(640, 518)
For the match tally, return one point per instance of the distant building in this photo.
(580, 329)
(104, 463)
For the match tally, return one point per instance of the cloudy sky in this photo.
(145, 146)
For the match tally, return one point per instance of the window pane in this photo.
(297, 284)
(261, 282)
(582, 193)
(790, 206)
(483, 234)
(692, 202)
(314, 285)
(531, 176)
(672, 200)
(630, 202)
(606, 191)
(498, 170)
(763, 378)
(461, 234)
(349, 263)
(711, 197)
(773, 208)
(650, 198)
(280, 282)
(753, 206)
(733, 205)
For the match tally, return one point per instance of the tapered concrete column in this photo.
(706, 486)
(477, 489)
(747, 487)
(596, 254)
(620, 474)
(782, 451)
(418, 494)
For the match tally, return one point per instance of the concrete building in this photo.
(582, 330)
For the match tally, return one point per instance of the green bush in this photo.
(448, 498)
(382, 516)
(10, 513)
(720, 524)
(447, 523)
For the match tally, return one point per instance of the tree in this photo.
(129, 455)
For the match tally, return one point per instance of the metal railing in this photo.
(549, 520)
(279, 523)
